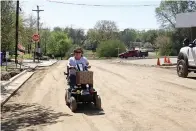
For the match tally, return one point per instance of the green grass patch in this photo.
(25, 56)
(3, 68)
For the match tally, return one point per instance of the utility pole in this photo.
(118, 51)
(38, 18)
(16, 44)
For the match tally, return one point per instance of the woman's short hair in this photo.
(78, 49)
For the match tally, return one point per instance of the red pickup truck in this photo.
(134, 53)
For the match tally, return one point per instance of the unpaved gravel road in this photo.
(133, 98)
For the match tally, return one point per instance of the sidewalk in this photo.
(46, 63)
(31, 64)
(9, 90)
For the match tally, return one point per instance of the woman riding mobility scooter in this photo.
(81, 87)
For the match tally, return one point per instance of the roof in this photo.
(186, 20)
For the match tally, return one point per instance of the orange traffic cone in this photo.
(158, 62)
(165, 59)
(169, 61)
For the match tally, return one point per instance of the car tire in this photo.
(182, 69)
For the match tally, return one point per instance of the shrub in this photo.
(109, 48)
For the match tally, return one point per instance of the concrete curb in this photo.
(4, 101)
(48, 65)
(166, 64)
(168, 67)
(132, 64)
(172, 66)
(13, 78)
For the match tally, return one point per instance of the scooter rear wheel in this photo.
(98, 102)
(73, 104)
(66, 97)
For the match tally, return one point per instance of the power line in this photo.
(99, 5)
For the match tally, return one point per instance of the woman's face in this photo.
(78, 54)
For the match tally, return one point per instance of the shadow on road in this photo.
(89, 109)
(18, 116)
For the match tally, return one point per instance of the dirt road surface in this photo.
(133, 99)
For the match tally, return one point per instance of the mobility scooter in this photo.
(83, 91)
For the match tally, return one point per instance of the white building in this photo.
(187, 20)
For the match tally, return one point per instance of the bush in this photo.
(164, 44)
(109, 48)
(70, 51)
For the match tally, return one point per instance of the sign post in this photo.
(6, 57)
(118, 51)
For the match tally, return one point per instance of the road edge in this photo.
(13, 78)
(49, 65)
(19, 86)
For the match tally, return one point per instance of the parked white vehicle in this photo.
(186, 61)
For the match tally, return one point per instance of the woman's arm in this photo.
(86, 61)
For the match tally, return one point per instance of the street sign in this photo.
(7, 55)
(36, 37)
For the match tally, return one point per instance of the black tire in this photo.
(97, 102)
(66, 97)
(182, 69)
(73, 104)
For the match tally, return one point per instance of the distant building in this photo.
(187, 20)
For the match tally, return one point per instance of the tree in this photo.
(7, 25)
(166, 15)
(45, 35)
(63, 46)
(58, 43)
(58, 29)
(106, 26)
(110, 48)
(106, 30)
(150, 36)
(164, 44)
(93, 39)
(148, 45)
(167, 11)
(77, 35)
(138, 40)
(127, 36)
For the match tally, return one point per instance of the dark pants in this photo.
(72, 79)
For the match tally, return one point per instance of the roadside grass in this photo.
(3, 68)
(25, 56)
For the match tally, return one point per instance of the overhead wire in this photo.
(100, 5)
